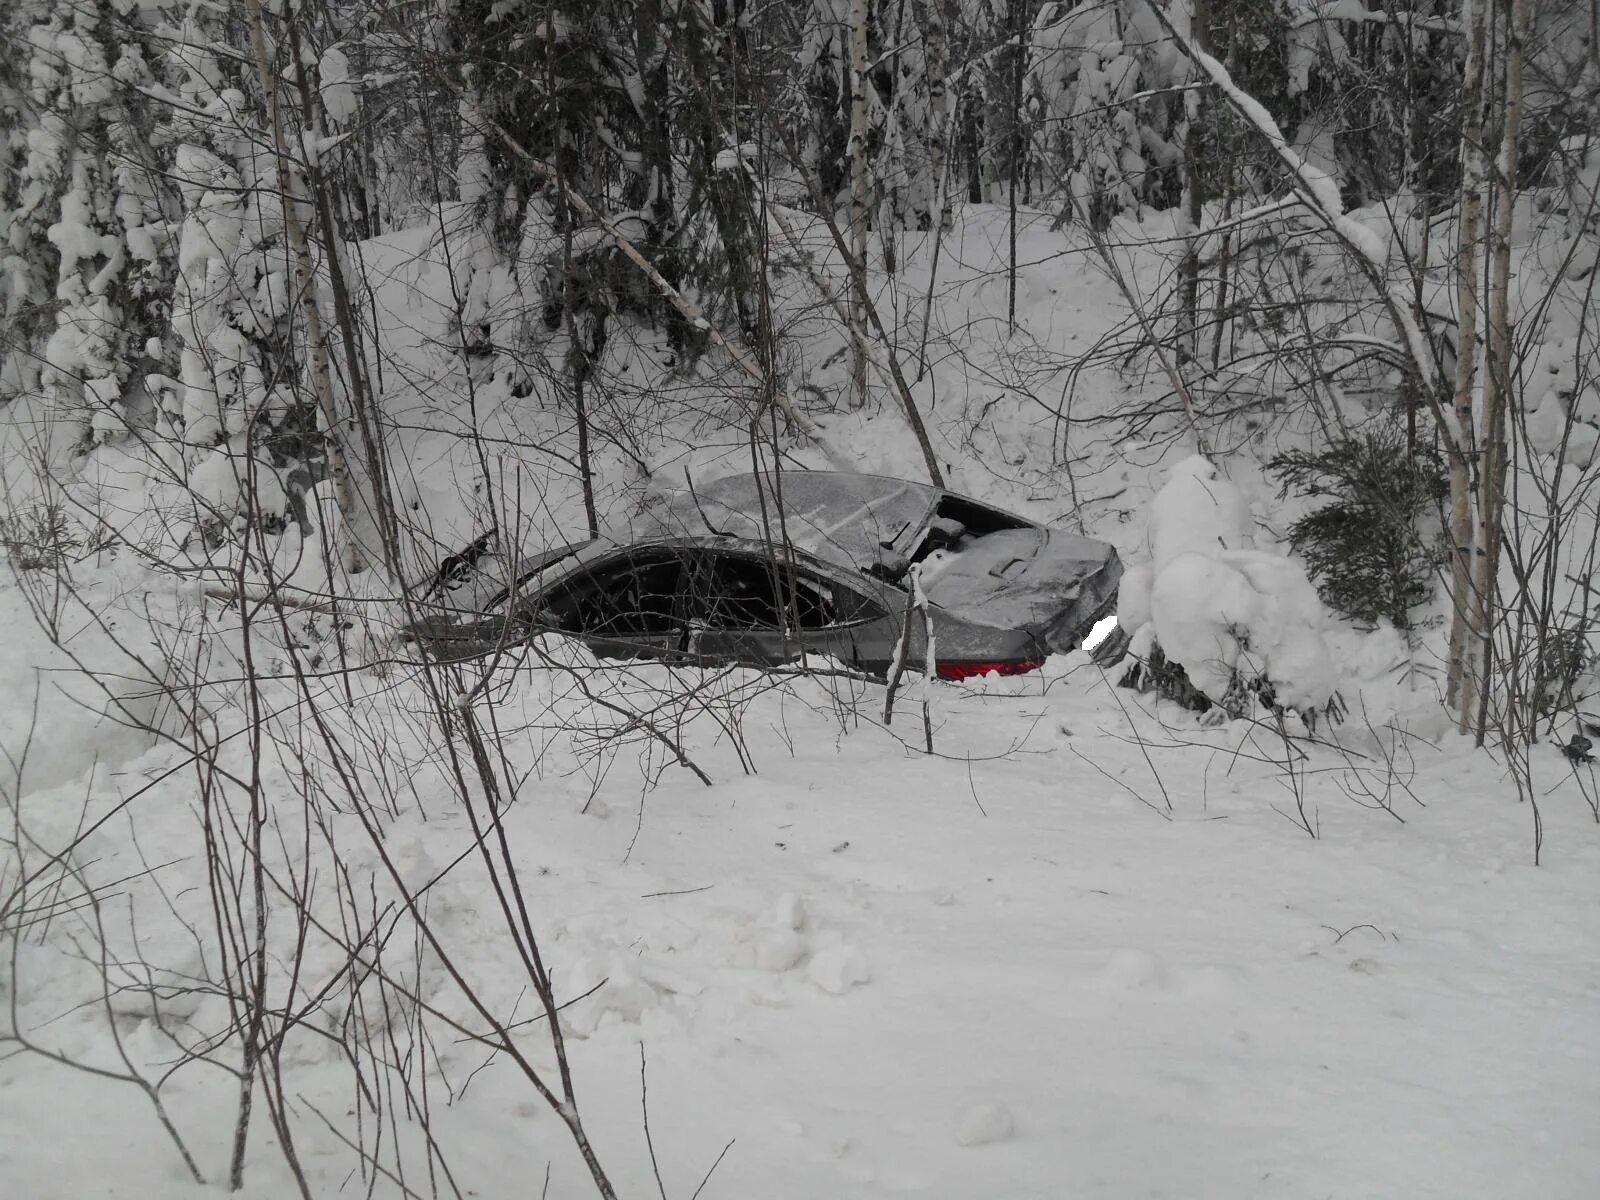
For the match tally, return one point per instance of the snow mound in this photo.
(779, 949)
(1197, 511)
(1198, 605)
(1133, 597)
(984, 1123)
(790, 912)
(837, 969)
(618, 987)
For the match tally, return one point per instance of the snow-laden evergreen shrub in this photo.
(1374, 547)
(1216, 621)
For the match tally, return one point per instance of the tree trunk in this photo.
(657, 200)
(1497, 359)
(972, 144)
(901, 164)
(1194, 199)
(1460, 693)
(579, 345)
(1017, 19)
(858, 199)
(929, 17)
(306, 289)
(365, 411)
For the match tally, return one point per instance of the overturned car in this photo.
(763, 570)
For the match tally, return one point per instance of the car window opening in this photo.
(747, 593)
(636, 599)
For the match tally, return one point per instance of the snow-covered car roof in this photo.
(841, 518)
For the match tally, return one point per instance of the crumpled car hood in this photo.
(1046, 581)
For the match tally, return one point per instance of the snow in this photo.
(983, 1124)
(837, 969)
(733, 158)
(314, 144)
(1286, 631)
(338, 92)
(1198, 510)
(1081, 928)
(993, 1001)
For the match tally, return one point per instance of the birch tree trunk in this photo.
(305, 282)
(1516, 16)
(1460, 692)
(364, 417)
(858, 198)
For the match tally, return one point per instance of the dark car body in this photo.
(762, 570)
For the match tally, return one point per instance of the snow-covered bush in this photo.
(1374, 548)
(1229, 620)
(86, 269)
(1099, 74)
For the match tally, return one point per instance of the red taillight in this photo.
(953, 669)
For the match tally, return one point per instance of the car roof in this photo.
(623, 542)
(841, 518)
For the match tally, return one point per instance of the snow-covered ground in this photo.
(1086, 949)
(835, 962)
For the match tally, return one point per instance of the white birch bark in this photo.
(1458, 686)
(1516, 15)
(305, 283)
